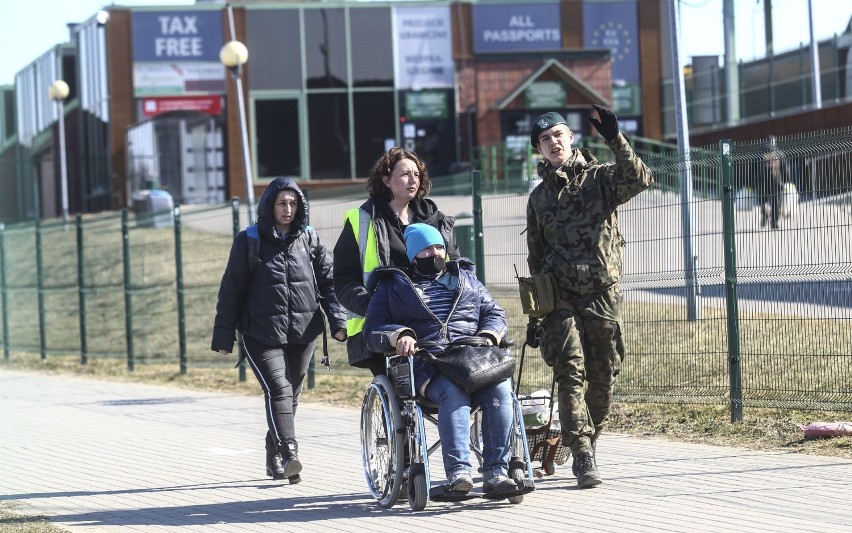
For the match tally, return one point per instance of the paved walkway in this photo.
(102, 456)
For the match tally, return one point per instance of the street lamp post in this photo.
(233, 55)
(58, 92)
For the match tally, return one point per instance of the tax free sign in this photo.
(177, 52)
(177, 36)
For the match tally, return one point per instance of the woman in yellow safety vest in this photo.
(372, 237)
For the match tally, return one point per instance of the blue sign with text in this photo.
(614, 25)
(516, 28)
(177, 36)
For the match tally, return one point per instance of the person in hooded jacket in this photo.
(433, 300)
(372, 237)
(276, 307)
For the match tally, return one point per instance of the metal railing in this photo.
(773, 325)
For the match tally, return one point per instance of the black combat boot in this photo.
(274, 462)
(586, 471)
(594, 459)
(292, 466)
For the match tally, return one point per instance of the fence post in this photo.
(492, 176)
(4, 291)
(42, 334)
(81, 291)
(179, 286)
(235, 217)
(478, 236)
(128, 299)
(734, 363)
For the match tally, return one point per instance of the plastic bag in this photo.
(827, 429)
(744, 199)
(536, 402)
(535, 420)
(789, 200)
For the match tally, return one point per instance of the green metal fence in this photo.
(719, 309)
(510, 168)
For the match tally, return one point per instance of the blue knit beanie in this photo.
(419, 236)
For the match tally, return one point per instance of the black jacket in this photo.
(276, 303)
(348, 272)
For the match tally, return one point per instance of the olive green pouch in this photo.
(538, 294)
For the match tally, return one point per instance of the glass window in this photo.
(69, 76)
(8, 114)
(328, 116)
(277, 134)
(325, 48)
(374, 123)
(275, 49)
(372, 47)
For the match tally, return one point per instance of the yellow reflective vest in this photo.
(365, 236)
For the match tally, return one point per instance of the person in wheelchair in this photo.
(438, 301)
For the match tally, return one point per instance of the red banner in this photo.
(212, 105)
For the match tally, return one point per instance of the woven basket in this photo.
(546, 443)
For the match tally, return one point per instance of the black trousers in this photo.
(281, 371)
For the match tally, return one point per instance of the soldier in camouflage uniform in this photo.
(572, 232)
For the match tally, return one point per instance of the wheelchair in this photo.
(394, 448)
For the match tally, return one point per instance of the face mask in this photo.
(429, 266)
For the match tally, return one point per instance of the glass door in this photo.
(278, 144)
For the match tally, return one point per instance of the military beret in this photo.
(545, 122)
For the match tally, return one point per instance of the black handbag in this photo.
(473, 365)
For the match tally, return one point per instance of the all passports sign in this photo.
(516, 28)
(177, 53)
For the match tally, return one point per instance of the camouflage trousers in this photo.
(582, 341)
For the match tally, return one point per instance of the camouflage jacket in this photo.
(572, 222)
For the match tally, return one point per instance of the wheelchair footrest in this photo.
(442, 493)
(525, 486)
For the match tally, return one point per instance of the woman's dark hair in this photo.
(376, 187)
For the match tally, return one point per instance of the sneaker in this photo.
(499, 484)
(461, 482)
(587, 472)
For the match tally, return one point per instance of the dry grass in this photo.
(761, 428)
(15, 520)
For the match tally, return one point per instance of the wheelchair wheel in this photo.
(517, 474)
(421, 491)
(381, 444)
(519, 468)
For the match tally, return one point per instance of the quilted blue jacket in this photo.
(396, 309)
